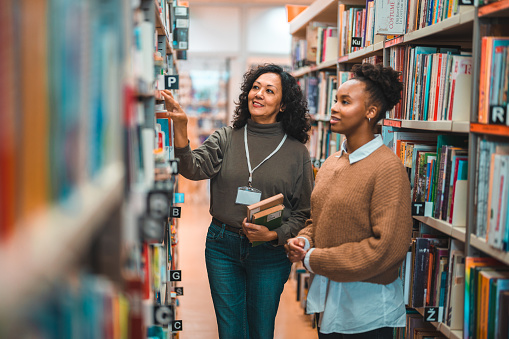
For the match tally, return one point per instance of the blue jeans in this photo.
(245, 282)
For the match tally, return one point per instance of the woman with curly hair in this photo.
(263, 154)
(360, 226)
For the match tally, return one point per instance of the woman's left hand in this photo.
(257, 232)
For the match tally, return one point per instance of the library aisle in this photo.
(196, 310)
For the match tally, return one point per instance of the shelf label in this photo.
(176, 325)
(178, 198)
(498, 115)
(163, 315)
(158, 202)
(175, 212)
(171, 82)
(433, 314)
(152, 229)
(422, 209)
(174, 167)
(356, 42)
(393, 123)
(176, 275)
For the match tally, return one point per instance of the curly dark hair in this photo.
(295, 118)
(382, 83)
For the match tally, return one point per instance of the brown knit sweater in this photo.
(361, 219)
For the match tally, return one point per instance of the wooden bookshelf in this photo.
(500, 130)
(320, 10)
(308, 69)
(162, 30)
(445, 125)
(459, 25)
(495, 9)
(483, 246)
(50, 242)
(457, 232)
(464, 30)
(443, 328)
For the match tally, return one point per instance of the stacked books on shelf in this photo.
(437, 80)
(327, 38)
(299, 53)
(357, 27)
(437, 166)
(416, 327)
(267, 212)
(486, 298)
(320, 91)
(320, 45)
(432, 275)
(494, 81)
(423, 13)
(492, 191)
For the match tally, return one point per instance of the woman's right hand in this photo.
(295, 249)
(179, 118)
(175, 111)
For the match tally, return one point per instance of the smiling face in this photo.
(350, 113)
(264, 98)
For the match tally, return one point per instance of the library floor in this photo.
(196, 310)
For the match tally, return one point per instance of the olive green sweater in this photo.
(222, 158)
(361, 218)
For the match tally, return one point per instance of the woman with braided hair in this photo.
(360, 226)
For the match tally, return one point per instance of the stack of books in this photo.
(268, 212)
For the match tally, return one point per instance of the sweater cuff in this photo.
(282, 238)
(306, 260)
(183, 150)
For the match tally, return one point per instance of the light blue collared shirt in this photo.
(355, 307)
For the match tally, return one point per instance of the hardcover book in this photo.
(263, 205)
(270, 217)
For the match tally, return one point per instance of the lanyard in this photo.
(267, 158)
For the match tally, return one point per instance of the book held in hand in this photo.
(268, 212)
(270, 218)
(263, 204)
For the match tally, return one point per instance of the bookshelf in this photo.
(82, 105)
(464, 29)
(49, 248)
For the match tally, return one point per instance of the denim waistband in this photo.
(227, 227)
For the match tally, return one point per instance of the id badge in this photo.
(248, 195)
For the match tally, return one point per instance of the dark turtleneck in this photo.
(222, 158)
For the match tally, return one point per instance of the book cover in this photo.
(498, 206)
(461, 87)
(33, 151)
(390, 17)
(443, 203)
(501, 287)
(498, 281)
(9, 108)
(420, 271)
(484, 151)
(440, 276)
(503, 310)
(458, 202)
(455, 305)
(263, 205)
(470, 301)
(270, 217)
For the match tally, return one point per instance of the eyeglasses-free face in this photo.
(264, 98)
